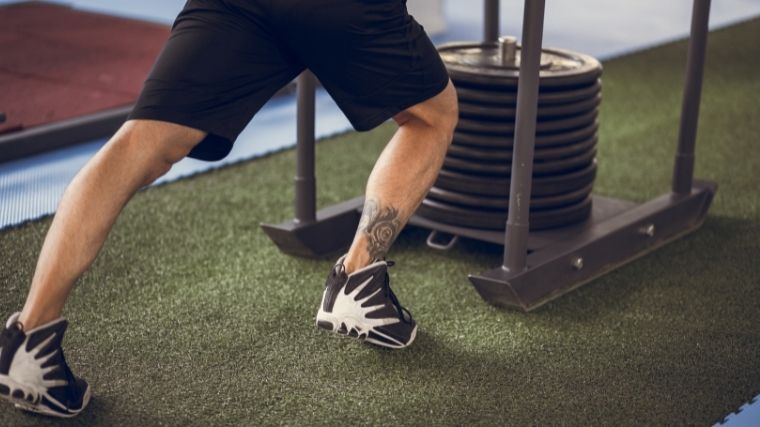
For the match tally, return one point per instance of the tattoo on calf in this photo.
(380, 224)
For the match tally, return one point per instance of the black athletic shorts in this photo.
(225, 58)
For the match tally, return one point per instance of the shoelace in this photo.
(339, 269)
(403, 313)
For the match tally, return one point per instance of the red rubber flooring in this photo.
(58, 63)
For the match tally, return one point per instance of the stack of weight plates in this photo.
(472, 189)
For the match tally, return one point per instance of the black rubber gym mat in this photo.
(496, 155)
(540, 167)
(508, 97)
(507, 113)
(490, 186)
(493, 127)
(501, 203)
(496, 220)
(542, 139)
(482, 64)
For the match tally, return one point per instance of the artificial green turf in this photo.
(191, 316)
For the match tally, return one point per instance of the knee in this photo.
(439, 114)
(158, 169)
(153, 147)
(449, 116)
(148, 163)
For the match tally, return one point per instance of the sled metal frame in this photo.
(537, 266)
(312, 234)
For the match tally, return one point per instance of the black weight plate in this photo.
(505, 155)
(546, 167)
(480, 63)
(542, 140)
(495, 127)
(493, 112)
(499, 187)
(496, 220)
(508, 97)
(501, 203)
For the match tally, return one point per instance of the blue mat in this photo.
(31, 188)
(746, 416)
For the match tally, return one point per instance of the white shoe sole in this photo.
(35, 406)
(358, 328)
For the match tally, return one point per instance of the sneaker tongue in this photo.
(12, 320)
(374, 265)
(341, 260)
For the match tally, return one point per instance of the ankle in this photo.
(355, 262)
(28, 321)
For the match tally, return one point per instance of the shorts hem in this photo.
(215, 146)
(375, 120)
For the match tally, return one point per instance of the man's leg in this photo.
(402, 175)
(139, 153)
(34, 374)
(357, 300)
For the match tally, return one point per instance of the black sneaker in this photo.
(362, 305)
(34, 374)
